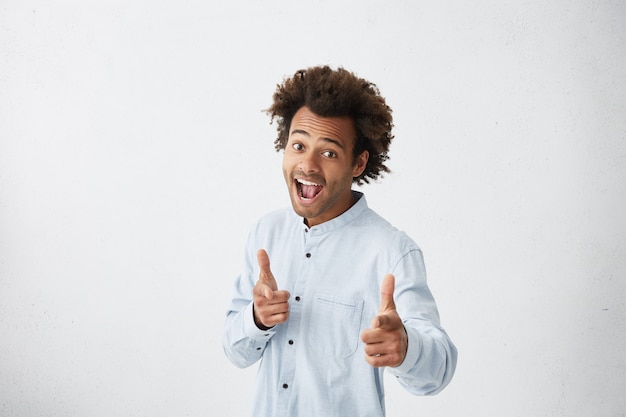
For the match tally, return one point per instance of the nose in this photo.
(309, 163)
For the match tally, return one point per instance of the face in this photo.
(319, 165)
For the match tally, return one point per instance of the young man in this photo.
(345, 296)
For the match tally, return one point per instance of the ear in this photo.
(360, 163)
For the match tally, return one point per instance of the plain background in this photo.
(135, 154)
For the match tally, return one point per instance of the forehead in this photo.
(308, 123)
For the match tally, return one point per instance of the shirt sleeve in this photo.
(431, 356)
(242, 340)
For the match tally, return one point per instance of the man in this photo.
(345, 294)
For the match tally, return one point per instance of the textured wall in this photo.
(134, 154)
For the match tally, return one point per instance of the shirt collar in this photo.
(346, 217)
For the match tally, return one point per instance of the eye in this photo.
(329, 154)
(297, 146)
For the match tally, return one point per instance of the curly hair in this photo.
(337, 93)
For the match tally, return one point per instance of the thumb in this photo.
(386, 294)
(266, 275)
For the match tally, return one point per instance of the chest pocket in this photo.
(335, 323)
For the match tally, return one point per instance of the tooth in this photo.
(306, 182)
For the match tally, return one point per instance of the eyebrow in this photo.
(304, 132)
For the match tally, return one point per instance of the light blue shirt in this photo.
(314, 364)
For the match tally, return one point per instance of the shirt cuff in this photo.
(412, 353)
(252, 331)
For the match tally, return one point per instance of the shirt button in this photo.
(308, 255)
(297, 298)
(258, 348)
(291, 342)
(285, 386)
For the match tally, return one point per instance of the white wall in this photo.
(134, 155)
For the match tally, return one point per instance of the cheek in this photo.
(286, 174)
(287, 170)
(341, 178)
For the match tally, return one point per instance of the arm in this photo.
(431, 356)
(406, 335)
(253, 313)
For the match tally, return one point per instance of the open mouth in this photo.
(308, 190)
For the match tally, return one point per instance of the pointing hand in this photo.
(386, 342)
(271, 305)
